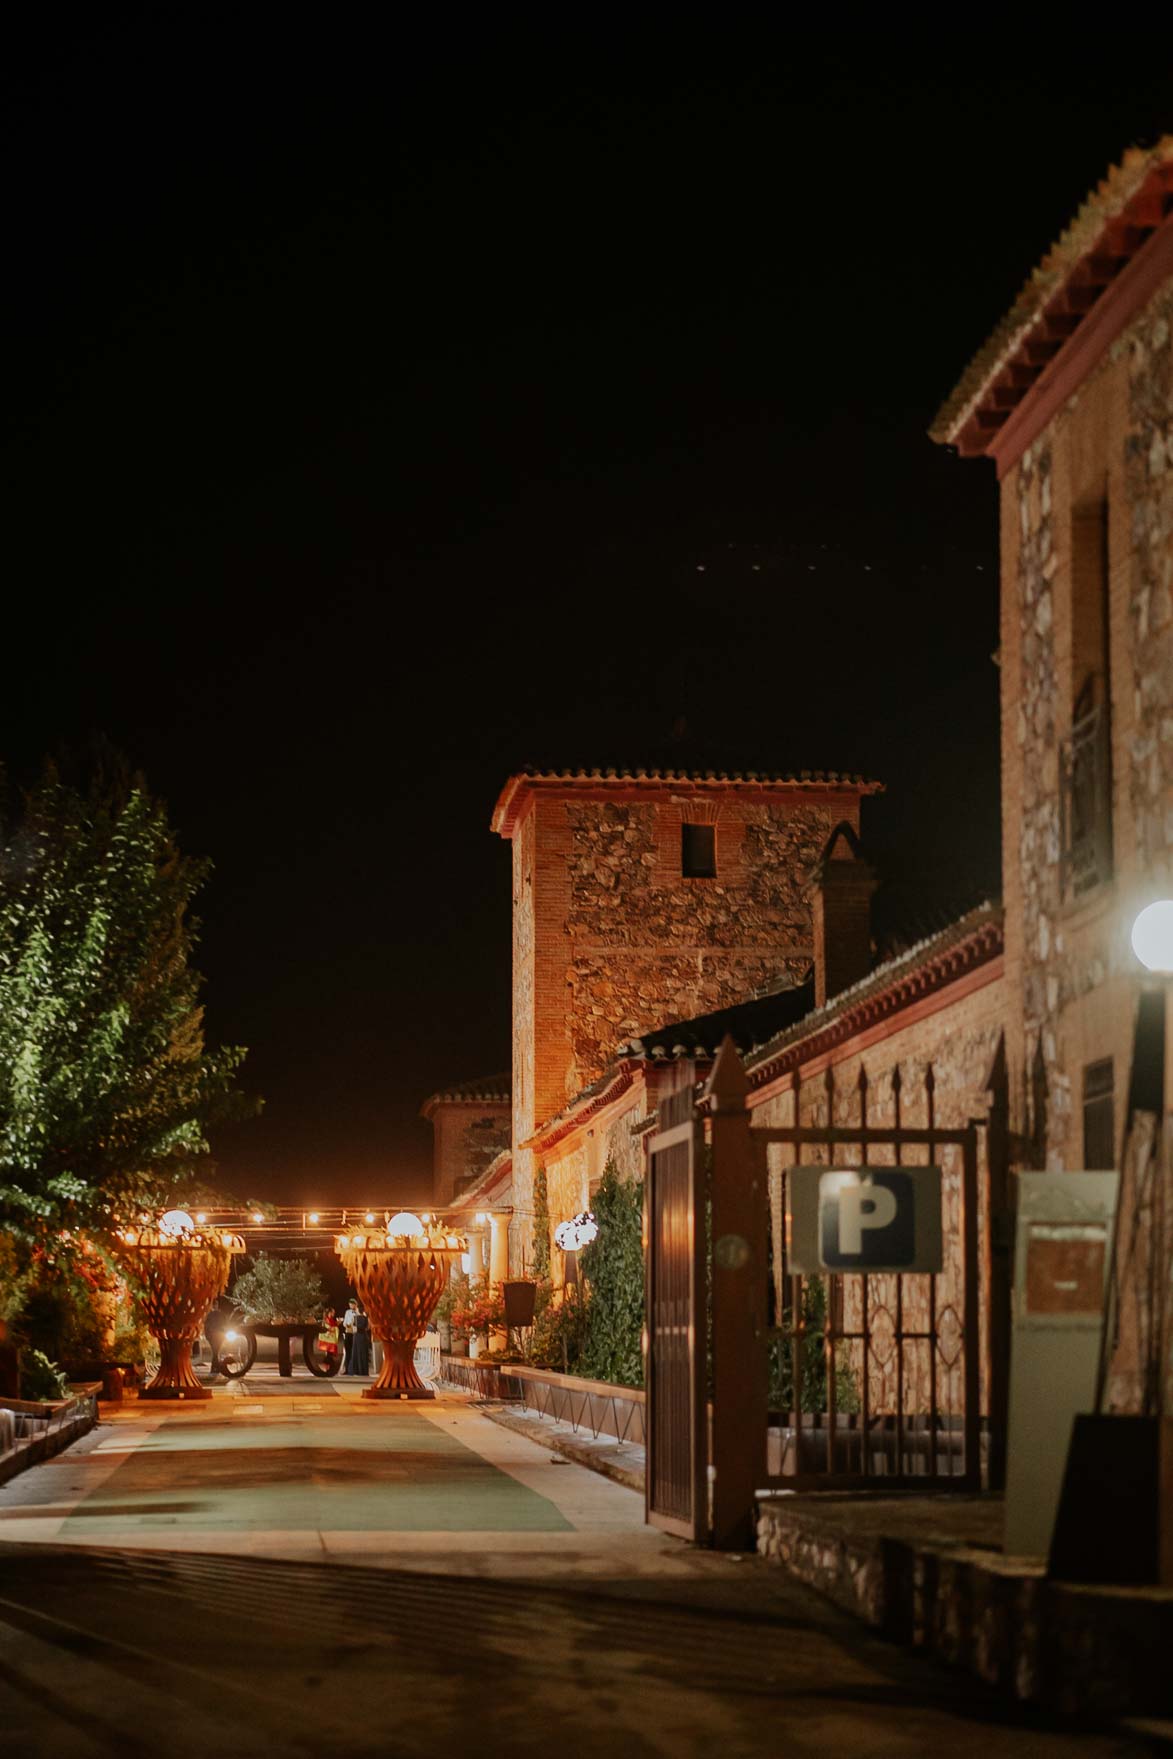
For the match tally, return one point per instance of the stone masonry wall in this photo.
(1070, 970)
(646, 945)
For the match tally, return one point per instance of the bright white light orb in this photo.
(257, 1216)
(1152, 936)
(404, 1223)
(176, 1223)
(202, 1216)
(314, 1216)
(573, 1235)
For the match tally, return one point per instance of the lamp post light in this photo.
(570, 1237)
(1152, 942)
(181, 1268)
(400, 1272)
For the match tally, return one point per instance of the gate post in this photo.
(739, 1273)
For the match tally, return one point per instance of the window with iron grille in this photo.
(1099, 1117)
(1085, 766)
(698, 851)
(1085, 805)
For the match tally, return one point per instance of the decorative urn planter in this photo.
(400, 1272)
(180, 1270)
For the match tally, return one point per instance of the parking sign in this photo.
(863, 1219)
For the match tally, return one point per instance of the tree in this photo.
(279, 1291)
(106, 1086)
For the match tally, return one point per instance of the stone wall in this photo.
(647, 945)
(1069, 965)
(466, 1138)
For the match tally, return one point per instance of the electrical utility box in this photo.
(1062, 1250)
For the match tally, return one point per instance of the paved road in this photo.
(281, 1576)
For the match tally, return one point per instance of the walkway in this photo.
(289, 1570)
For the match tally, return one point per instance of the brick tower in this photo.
(646, 896)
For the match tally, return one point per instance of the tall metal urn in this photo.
(400, 1272)
(180, 1270)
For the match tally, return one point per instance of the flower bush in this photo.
(482, 1309)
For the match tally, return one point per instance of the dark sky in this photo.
(387, 408)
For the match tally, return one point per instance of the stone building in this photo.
(1072, 398)
(470, 1126)
(647, 895)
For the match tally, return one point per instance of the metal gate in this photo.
(676, 1493)
(854, 1334)
(828, 1382)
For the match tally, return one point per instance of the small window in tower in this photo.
(1099, 1117)
(698, 851)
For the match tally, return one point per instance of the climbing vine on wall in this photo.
(541, 1225)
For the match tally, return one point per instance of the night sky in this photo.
(388, 409)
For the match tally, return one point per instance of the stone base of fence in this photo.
(928, 1571)
(36, 1429)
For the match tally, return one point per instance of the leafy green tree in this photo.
(106, 1085)
(277, 1291)
(613, 1265)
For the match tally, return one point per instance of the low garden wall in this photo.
(596, 1405)
(567, 1398)
(35, 1429)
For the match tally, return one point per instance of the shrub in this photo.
(40, 1378)
(559, 1329)
(613, 1265)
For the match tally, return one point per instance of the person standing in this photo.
(360, 1355)
(349, 1325)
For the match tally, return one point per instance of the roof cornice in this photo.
(633, 784)
(934, 965)
(1087, 286)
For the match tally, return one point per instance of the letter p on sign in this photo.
(867, 1219)
(860, 1207)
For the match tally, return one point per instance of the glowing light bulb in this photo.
(202, 1216)
(1152, 936)
(175, 1224)
(314, 1217)
(369, 1217)
(404, 1223)
(257, 1216)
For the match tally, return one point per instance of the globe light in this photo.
(369, 1217)
(176, 1223)
(314, 1217)
(404, 1223)
(1152, 937)
(573, 1235)
(257, 1216)
(202, 1216)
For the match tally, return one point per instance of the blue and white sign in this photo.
(863, 1219)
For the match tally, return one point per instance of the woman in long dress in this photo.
(360, 1351)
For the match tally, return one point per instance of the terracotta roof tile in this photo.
(1144, 176)
(485, 1090)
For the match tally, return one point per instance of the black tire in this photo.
(326, 1371)
(235, 1360)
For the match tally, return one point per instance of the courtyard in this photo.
(288, 1568)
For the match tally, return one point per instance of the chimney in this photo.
(840, 896)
